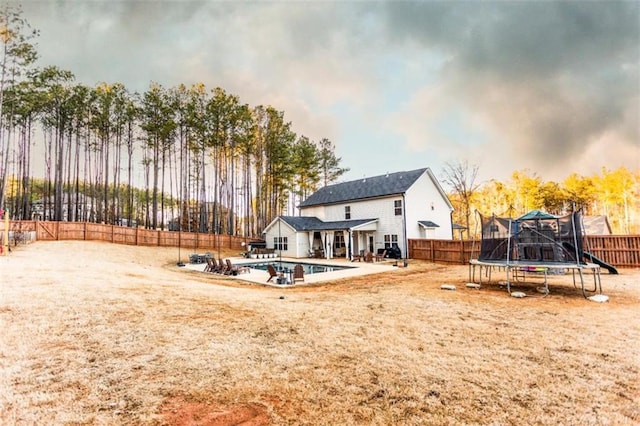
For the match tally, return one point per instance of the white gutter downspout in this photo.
(404, 227)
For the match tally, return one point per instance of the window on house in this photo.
(397, 204)
(390, 240)
(339, 241)
(281, 243)
(347, 212)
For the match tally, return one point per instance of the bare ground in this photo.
(94, 333)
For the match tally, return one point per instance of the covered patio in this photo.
(341, 239)
(310, 237)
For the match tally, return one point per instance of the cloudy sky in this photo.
(553, 87)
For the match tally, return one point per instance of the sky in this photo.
(552, 87)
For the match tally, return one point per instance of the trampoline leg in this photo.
(582, 282)
(597, 284)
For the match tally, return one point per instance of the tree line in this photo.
(187, 157)
(611, 193)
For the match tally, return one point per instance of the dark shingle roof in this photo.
(301, 223)
(371, 187)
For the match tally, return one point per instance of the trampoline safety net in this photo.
(534, 237)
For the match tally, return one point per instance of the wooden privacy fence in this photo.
(617, 250)
(54, 231)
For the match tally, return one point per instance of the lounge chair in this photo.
(211, 265)
(235, 269)
(272, 272)
(298, 273)
(222, 267)
(368, 257)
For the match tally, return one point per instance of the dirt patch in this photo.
(180, 412)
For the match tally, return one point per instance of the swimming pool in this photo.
(309, 268)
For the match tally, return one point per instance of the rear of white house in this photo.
(366, 215)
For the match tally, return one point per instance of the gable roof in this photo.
(370, 187)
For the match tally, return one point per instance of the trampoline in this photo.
(538, 243)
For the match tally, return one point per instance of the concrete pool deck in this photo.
(354, 269)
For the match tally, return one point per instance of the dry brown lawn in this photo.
(93, 333)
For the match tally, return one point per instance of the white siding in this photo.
(293, 239)
(422, 195)
(315, 211)
(381, 208)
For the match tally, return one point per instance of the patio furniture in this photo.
(380, 256)
(358, 257)
(298, 273)
(211, 265)
(222, 267)
(235, 269)
(272, 272)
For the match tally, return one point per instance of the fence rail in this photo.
(617, 250)
(86, 231)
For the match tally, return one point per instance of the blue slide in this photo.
(592, 258)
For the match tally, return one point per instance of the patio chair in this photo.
(211, 265)
(235, 269)
(380, 256)
(222, 267)
(368, 257)
(358, 257)
(272, 272)
(298, 273)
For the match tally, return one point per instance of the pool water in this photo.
(309, 268)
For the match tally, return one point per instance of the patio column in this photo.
(323, 236)
(310, 235)
(330, 245)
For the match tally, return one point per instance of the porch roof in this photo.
(428, 224)
(302, 223)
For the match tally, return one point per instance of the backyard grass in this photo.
(95, 333)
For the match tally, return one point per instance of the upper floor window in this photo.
(397, 204)
(347, 212)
